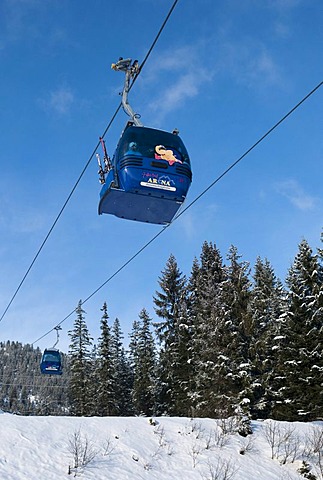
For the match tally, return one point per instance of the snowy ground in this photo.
(43, 448)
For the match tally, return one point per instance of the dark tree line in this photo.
(23, 390)
(228, 340)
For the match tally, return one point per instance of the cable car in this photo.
(150, 177)
(51, 362)
(150, 173)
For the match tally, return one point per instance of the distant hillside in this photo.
(23, 389)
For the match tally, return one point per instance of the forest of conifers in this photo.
(227, 339)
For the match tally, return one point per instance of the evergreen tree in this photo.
(300, 368)
(81, 366)
(205, 290)
(105, 371)
(142, 349)
(172, 388)
(12, 399)
(267, 306)
(194, 289)
(126, 385)
(133, 344)
(123, 376)
(236, 329)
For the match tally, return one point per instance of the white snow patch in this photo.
(135, 448)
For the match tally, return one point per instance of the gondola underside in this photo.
(138, 207)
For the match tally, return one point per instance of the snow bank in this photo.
(121, 448)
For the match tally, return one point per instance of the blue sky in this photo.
(223, 73)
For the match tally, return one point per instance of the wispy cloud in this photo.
(295, 193)
(283, 26)
(181, 74)
(26, 222)
(60, 100)
(251, 63)
(184, 87)
(282, 30)
(17, 19)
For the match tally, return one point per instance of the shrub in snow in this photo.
(228, 426)
(236, 424)
(82, 450)
(222, 470)
(109, 447)
(160, 432)
(196, 428)
(248, 445)
(314, 444)
(195, 451)
(283, 441)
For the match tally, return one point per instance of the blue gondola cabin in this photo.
(150, 176)
(51, 362)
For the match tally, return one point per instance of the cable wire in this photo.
(190, 204)
(85, 168)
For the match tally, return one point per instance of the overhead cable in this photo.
(190, 204)
(85, 168)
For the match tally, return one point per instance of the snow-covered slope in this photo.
(44, 448)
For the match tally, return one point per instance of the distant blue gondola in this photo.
(150, 173)
(51, 362)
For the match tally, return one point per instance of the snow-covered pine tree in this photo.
(80, 391)
(172, 387)
(11, 400)
(300, 369)
(267, 306)
(105, 370)
(133, 344)
(143, 355)
(194, 297)
(236, 328)
(123, 380)
(133, 349)
(320, 280)
(183, 373)
(204, 308)
(192, 311)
